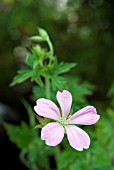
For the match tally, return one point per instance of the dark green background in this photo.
(82, 31)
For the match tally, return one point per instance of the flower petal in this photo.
(65, 101)
(85, 116)
(77, 138)
(47, 108)
(52, 133)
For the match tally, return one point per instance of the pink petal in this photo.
(77, 138)
(65, 101)
(85, 116)
(47, 108)
(52, 133)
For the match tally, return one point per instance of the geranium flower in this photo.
(53, 132)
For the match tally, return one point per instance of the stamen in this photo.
(63, 121)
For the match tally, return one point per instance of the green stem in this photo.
(32, 119)
(50, 47)
(47, 86)
(57, 154)
(51, 50)
(23, 159)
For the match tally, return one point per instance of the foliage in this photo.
(99, 156)
(20, 135)
(34, 153)
(37, 60)
(44, 70)
(84, 34)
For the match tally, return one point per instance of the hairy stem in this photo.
(23, 159)
(47, 86)
(57, 154)
(50, 47)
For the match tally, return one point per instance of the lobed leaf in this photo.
(63, 67)
(66, 158)
(37, 79)
(30, 60)
(20, 135)
(58, 82)
(21, 77)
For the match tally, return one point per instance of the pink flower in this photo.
(53, 133)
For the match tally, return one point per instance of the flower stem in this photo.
(57, 151)
(51, 50)
(23, 159)
(50, 47)
(47, 86)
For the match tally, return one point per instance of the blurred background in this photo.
(82, 31)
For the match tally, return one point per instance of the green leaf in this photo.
(63, 67)
(43, 33)
(75, 165)
(29, 59)
(46, 71)
(38, 51)
(38, 154)
(39, 56)
(37, 79)
(37, 38)
(103, 154)
(65, 159)
(20, 135)
(38, 92)
(31, 113)
(79, 89)
(37, 157)
(58, 82)
(22, 76)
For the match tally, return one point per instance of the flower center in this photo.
(63, 121)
